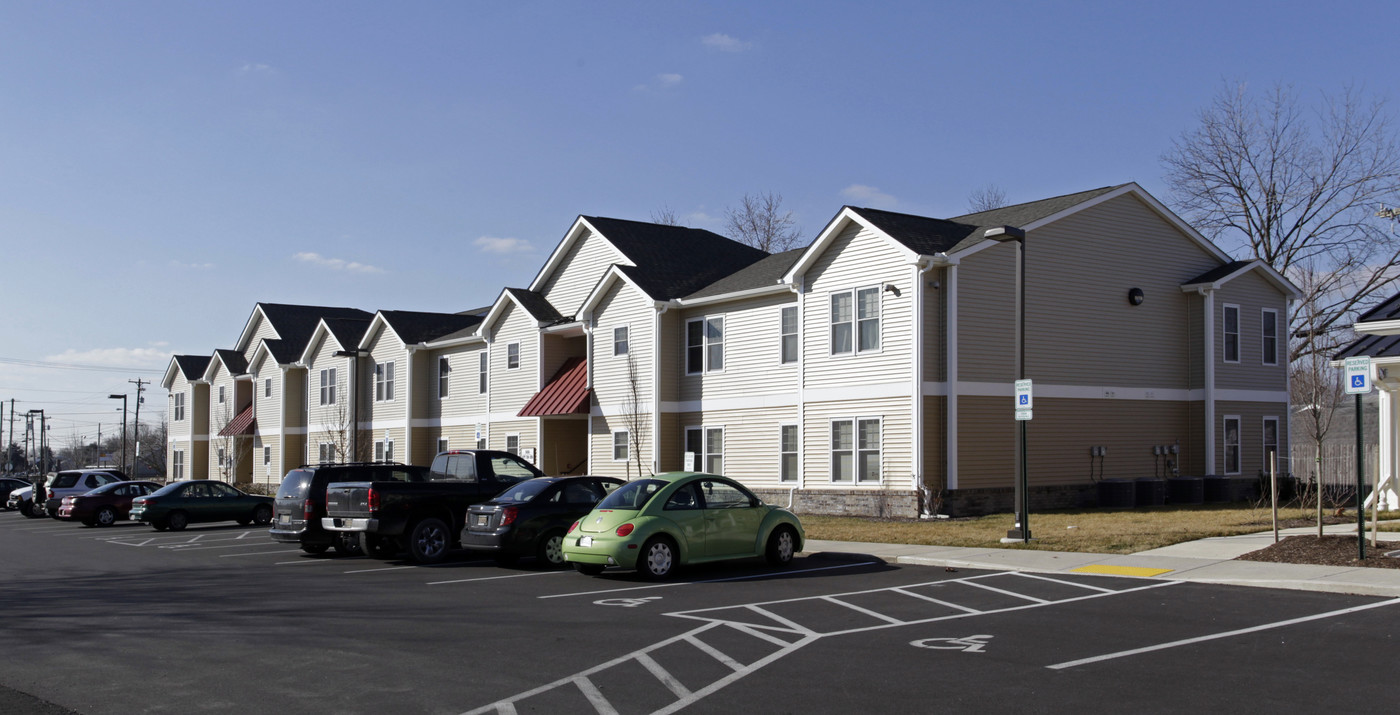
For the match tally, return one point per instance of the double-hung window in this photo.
(1231, 325)
(788, 330)
(512, 356)
(706, 447)
(704, 345)
(444, 367)
(1269, 336)
(1232, 444)
(1270, 439)
(442, 444)
(855, 450)
(267, 455)
(221, 394)
(513, 444)
(482, 364)
(855, 321)
(267, 387)
(620, 444)
(177, 465)
(787, 453)
(179, 406)
(384, 381)
(620, 346)
(328, 387)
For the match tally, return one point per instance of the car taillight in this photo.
(508, 515)
(306, 510)
(372, 500)
(625, 529)
(573, 526)
(138, 502)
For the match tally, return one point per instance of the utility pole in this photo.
(136, 427)
(123, 399)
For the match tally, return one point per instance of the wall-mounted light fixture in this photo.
(1135, 296)
(891, 288)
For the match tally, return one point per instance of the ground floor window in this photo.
(384, 450)
(442, 444)
(1232, 444)
(620, 443)
(177, 465)
(855, 450)
(705, 448)
(267, 455)
(325, 453)
(513, 444)
(787, 453)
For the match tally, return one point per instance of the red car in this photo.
(106, 504)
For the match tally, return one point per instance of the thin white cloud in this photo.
(190, 266)
(869, 195)
(669, 80)
(702, 220)
(336, 264)
(725, 43)
(138, 358)
(248, 68)
(502, 246)
(665, 81)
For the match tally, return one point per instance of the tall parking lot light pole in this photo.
(123, 399)
(1012, 234)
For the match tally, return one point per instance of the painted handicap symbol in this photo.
(626, 602)
(1358, 380)
(966, 644)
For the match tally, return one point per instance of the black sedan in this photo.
(530, 517)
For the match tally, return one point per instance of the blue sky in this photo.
(165, 165)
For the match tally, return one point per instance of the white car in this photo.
(23, 499)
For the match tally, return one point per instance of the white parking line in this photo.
(494, 578)
(774, 574)
(305, 561)
(386, 568)
(1227, 634)
(262, 553)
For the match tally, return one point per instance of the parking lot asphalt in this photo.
(221, 619)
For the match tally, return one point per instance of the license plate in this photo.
(585, 541)
(284, 519)
(481, 519)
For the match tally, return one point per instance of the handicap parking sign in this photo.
(1358, 375)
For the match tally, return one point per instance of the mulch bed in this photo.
(1326, 551)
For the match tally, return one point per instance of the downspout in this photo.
(798, 288)
(408, 406)
(588, 377)
(661, 309)
(1208, 406)
(921, 267)
(950, 429)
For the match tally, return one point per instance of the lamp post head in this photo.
(1004, 234)
(116, 397)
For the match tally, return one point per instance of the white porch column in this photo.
(1387, 473)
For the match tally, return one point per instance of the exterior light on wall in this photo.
(1135, 296)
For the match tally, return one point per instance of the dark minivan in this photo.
(301, 502)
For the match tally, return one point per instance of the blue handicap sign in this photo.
(1025, 399)
(1358, 380)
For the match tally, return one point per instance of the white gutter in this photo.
(775, 289)
(469, 340)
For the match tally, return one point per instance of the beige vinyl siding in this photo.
(896, 442)
(270, 473)
(181, 433)
(510, 389)
(328, 423)
(752, 351)
(1251, 416)
(601, 429)
(564, 445)
(577, 274)
(525, 427)
(612, 386)
(381, 434)
(752, 440)
(1252, 293)
(386, 347)
(464, 400)
(262, 330)
(858, 258)
(672, 367)
(936, 441)
(268, 409)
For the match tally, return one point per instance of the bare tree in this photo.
(666, 216)
(986, 198)
(228, 448)
(1316, 389)
(634, 418)
(1264, 179)
(152, 450)
(339, 432)
(760, 221)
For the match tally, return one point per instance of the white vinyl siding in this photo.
(512, 356)
(510, 388)
(752, 357)
(179, 406)
(577, 274)
(622, 306)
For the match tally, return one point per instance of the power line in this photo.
(74, 366)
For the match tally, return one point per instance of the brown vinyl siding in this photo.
(385, 347)
(1251, 414)
(1252, 293)
(935, 328)
(935, 441)
(986, 317)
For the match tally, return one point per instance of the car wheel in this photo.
(177, 521)
(347, 545)
(782, 544)
(658, 558)
(315, 549)
(262, 515)
(244, 522)
(588, 569)
(378, 547)
(550, 551)
(27, 509)
(428, 541)
(106, 516)
(160, 525)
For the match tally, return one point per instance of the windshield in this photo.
(294, 484)
(522, 492)
(633, 495)
(171, 487)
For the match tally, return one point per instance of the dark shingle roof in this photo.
(1022, 214)
(536, 305)
(348, 331)
(761, 274)
(295, 324)
(673, 261)
(283, 353)
(414, 327)
(1388, 310)
(925, 236)
(1376, 345)
(1218, 272)
(233, 361)
(192, 366)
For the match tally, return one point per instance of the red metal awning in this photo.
(565, 394)
(242, 424)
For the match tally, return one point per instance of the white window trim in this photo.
(221, 394)
(705, 368)
(177, 464)
(1224, 336)
(483, 382)
(444, 379)
(796, 478)
(797, 359)
(516, 435)
(267, 387)
(705, 445)
(267, 454)
(442, 444)
(627, 445)
(628, 328)
(855, 450)
(855, 322)
(387, 383)
(1225, 445)
(516, 366)
(1265, 313)
(179, 401)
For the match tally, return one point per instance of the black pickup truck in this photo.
(423, 518)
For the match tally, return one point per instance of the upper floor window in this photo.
(384, 381)
(1231, 325)
(512, 356)
(704, 345)
(1269, 336)
(855, 321)
(267, 387)
(481, 372)
(221, 394)
(620, 340)
(788, 330)
(179, 406)
(328, 387)
(444, 367)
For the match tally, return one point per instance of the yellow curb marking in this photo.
(1122, 570)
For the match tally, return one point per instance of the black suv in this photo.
(301, 502)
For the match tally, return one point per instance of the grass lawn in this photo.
(1105, 531)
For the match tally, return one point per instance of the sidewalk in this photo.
(1203, 561)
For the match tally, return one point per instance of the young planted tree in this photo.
(635, 419)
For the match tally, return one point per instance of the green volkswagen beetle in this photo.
(659, 523)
